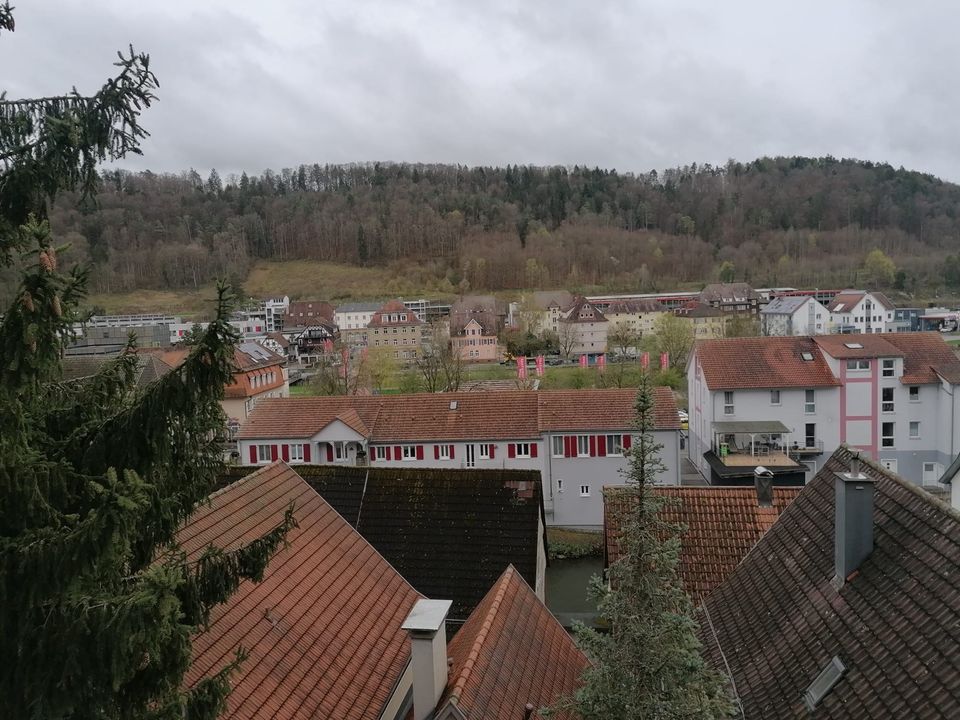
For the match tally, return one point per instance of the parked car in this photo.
(684, 419)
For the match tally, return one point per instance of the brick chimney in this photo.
(426, 624)
(853, 537)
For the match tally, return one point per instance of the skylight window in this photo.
(806, 356)
(854, 346)
(824, 683)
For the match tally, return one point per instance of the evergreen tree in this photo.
(97, 603)
(649, 665)
(214, 183)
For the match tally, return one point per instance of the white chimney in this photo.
(763, 483)
(426, 624)
(853, 521)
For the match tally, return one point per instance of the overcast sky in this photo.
(627, 85)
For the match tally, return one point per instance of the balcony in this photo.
(809, 447)
(747, 444)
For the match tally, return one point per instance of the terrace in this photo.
(753, 443)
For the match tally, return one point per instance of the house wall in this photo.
(874, 321)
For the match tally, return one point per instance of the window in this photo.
(809, 401)
(855, 345)
(728, 403)
(614, 444)
(409, 452)
(556, 444)
(774, 397)
(443, 452)
(914, 393)
(858, 364)
(380, 453)
(914, 429)
(296, 452)
(807, 356)
(523, 450)
(263, 453)
(887, 367)
(339, 451)
(584, 491)
(810, 435)
(583, 446)
(886, 397)
(886, 434)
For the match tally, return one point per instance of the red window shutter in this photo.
(329, 452)
(436, 452)
(593, 446)
(493, 451)
(533, 449)
(511, 450)
(389, 454)
(452, 453)
(570, 445)
(602, 445)
(285, 452)
(397, 453)
(419, 452)
(253, 454)
(306, 452)
(274, 452)
(627, 441)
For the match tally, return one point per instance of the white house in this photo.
(575, 438)
(858, 311)
(791, 315)
(788, 402)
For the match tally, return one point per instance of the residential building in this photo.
(396, 327)
(260, 374)
(723, 525)
(540, 311)
(314, 340)
(277, 342)
(485, 309)
(582, 329)
(428, 310)
(112, 339)
(847, 607)
(794, 315)
(572, 437)
(731, 298)
(635, 318)
(707, 322)
(475, 343)
(302, 313)
(858, 311)
(443, 529)
(274, 310)
(785, 403)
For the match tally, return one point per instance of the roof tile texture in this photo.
(723, 524)
(763, 362)
(322, 631)
(895, 623)
(510, 652)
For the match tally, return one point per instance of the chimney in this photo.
(853, 541)
(426, 624)
(763, 482)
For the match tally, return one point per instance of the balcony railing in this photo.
(809, 447)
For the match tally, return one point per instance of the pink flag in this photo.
(601, 362)
(540, 365)
(664, 360)
(583, 361)
(645, 360)
(521, 367)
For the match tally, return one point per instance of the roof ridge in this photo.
(255, 473)
(474, 652)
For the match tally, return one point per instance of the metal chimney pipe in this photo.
(763, 483)
(853, 521)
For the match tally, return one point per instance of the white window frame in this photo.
(914, 425)
(296, 452)
(408, 452)
(484, 451)
(728, 400)
(858, 365)
(339, 451)
(583, 446)
(887, 370)
(444, 451)
(380, 452)
(914, 391)
(584, 491)
(264, 453)
(522, 450)
(887, 406)
(809, 401)
(614, 445)
(775, 394)
(554, 443)
(887, 441)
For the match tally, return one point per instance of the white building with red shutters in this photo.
(575, 438)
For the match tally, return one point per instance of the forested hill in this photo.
(774, 221)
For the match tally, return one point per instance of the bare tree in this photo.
(674, 336)
(568, 335)
(623, 339)
(440, 366)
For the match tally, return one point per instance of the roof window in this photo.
(824, 683)
(806, 356)
(854, 346)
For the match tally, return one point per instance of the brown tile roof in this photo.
(728, 293)
(303, 312)
(279, 339)
(895, 624)
(696, 309)
(847, 299)
(925, 356)
(629, 307)
(572, 313)
(394, 307)
(865, 346)
(322, 631)
(449, 533)
(149, 367)
(249, 355)
(723, 524)
(494, 415)
(510, 652)
(763, 362)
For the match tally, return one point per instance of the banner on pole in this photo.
(601, 362)
(540, 365)
(521, 367)
(664, 360)
(645, 360)
(583, 361)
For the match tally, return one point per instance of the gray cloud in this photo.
(634, 86)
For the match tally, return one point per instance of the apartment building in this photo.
(788, 402)
(474, 343)
(705, 321)
(794, 315)
(858, 311)
(632, 317)
(575, 438)
(582, 329)
(396, 327)
(353, 318)
(731, 298)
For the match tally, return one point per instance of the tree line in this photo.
(774, 221)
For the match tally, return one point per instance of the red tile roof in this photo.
(846, 300)
(302, 312)
(925, 356)
(322, 631)
(864, 346)
(394, 307)
(763, 362)
(510, 652)
(494, 415)
(723, 524)
(582, 305)
(778, 619)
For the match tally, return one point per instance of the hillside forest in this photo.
(806, 222)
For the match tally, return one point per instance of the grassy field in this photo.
(190, 304)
